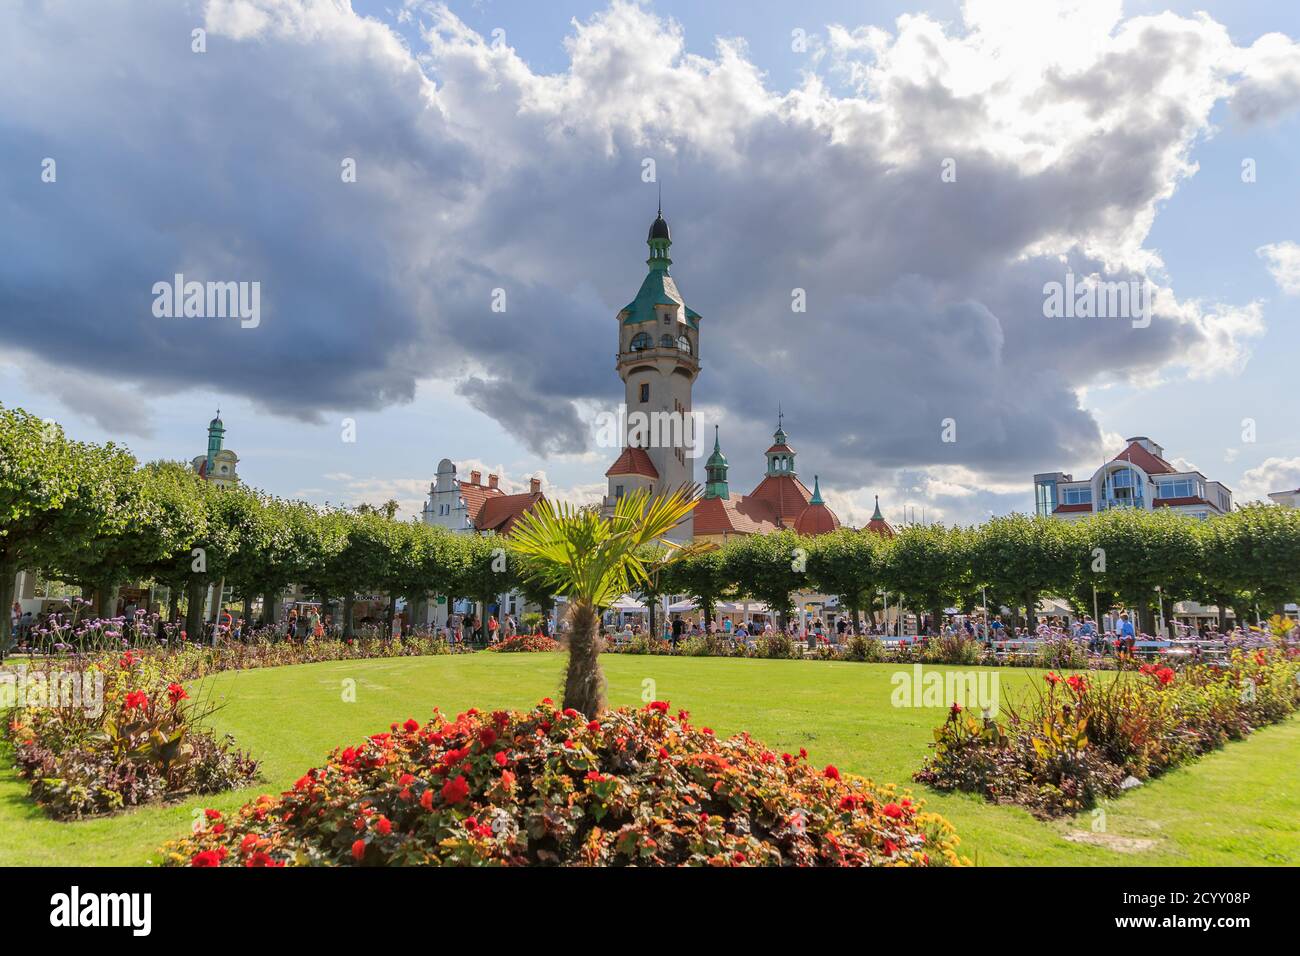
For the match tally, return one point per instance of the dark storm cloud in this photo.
(474, 174)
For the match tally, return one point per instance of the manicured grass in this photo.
(1239, 806)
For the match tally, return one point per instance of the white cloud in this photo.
(1273, 474)
(1283, 260)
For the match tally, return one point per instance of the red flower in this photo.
(1053, 678)
(955, 709)
(507, 779)
(454, 791)
(595, 776)
(570, 712)
(487, 737)
(426, 799)
(851, 802)
(1078, 683)
(593, 725)
(894, 811)
(405, 780)
(206, 858)
(384, 826)
(219, 829)
(176, 693)
(501, 758)
(890, 848)
(359, 850)
(659, 705)
(137, 700)
(411, 725)
(831, 772)
(212, 814)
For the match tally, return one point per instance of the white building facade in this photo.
(1138, 477)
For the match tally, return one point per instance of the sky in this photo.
(917, 173)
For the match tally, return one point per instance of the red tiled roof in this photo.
(1185, 500)
(1086, 506)
(816, 519)
(634, 461)
(742, 514)
(1148, 462)
(881, 527)
(785, 493)
(500, 512)
(475, 496)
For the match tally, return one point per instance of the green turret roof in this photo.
(877, 516)
(816, 498)
(658, 287)
(717, 459)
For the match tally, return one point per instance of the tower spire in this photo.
(816, 498)
(715, 471)
(877, 516)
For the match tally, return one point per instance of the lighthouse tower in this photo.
(658, 361)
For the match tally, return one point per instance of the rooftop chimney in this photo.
(534, 486)
(475, 477)
(492, 481)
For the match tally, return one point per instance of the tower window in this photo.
(645, 391)
(639, 341)
(618, 491)
(666, 342)
(684, 344)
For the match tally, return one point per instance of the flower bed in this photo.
(525, 644)
(1073, 741)
(548, 787)
(143, 745)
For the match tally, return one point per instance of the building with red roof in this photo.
(473, 506)
(779, 501)
(1138, 477)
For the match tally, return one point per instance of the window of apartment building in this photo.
(1078, 496)
(645, 391)
(1177, 488)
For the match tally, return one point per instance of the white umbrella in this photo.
(680, 606)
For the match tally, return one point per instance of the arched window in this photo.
(684, 344)
(666, 342)
(639, 341)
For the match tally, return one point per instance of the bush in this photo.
(525, 643)
(143, 745)
(862, 648)
(776, 645)
(951, 649)
(1074, 741)
(553, 789)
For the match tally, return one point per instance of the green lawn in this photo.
(1238, 806)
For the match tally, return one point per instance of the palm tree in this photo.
(579, 554)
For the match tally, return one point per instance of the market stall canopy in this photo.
(627, 603)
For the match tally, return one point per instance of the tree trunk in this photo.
(8, 573)
(173, 604)
(584, 684)
(349, 603)
(650, 613)
(270, 607)
(936, 617)
(106, 600)
(195, 591)
(707, 611)
(857, 620)
(1144, 617)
